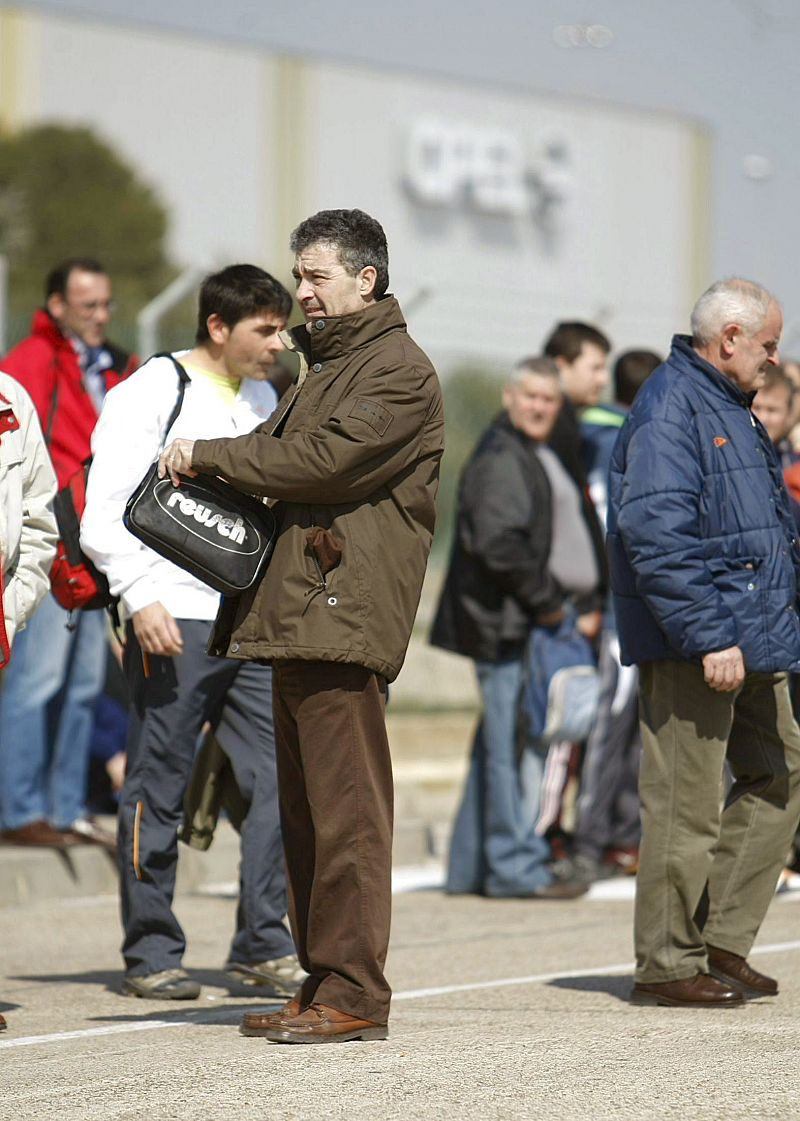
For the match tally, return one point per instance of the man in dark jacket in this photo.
(521, 550)
(580, 351)
(353, 456)
(705, 570)
(47, 709)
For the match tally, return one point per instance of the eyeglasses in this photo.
(92, 306)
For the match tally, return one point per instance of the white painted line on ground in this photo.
(507, 982)
(544, 978)
(211, 1017)
(405, 877)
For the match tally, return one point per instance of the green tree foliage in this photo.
(64, 192)
(471, 399)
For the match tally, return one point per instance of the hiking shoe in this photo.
(169, 984)
(281, 976)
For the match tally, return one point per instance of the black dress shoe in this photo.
(700, 991)
(733, 970)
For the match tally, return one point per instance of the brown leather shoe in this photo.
(319, 1024)
(733, 970)
(40, 834)
(254, 1023)
(3, 1024)
(700, 991)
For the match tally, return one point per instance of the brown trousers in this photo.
(336, 801)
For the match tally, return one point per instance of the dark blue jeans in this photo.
(494, 849)
(47, 714)
(168, 711)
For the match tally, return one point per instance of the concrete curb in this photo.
(29, 875)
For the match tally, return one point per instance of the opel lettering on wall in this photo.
(485, 169)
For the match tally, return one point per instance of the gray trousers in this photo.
(168, 710)
(692, 841)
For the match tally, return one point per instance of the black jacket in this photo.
(498, 580)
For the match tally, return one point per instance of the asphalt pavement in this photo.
(503, 1009)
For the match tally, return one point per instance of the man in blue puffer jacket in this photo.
(705, 570)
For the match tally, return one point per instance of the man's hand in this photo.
(176, 460)
(724, 669)
(156, 630)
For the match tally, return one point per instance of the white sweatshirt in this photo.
(128, 438)
(28, 531)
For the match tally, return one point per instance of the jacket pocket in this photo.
(325, 550)
(737, 576)
(742, 586)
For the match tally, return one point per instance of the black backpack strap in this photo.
(183, 381)
(47, 429)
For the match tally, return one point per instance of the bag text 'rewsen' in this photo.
(227, 527)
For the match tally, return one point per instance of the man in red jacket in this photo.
(49, 691)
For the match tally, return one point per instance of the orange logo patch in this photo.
(720, 441)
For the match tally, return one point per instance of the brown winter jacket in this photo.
(352, 458)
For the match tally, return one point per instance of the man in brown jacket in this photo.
(352, 456)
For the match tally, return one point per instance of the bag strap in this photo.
(47, 429)
(183, 381)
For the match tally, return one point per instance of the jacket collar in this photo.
(502, 422)
(45, 327)
(684, 353)
(337, 335)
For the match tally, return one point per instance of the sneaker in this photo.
(587, 868)
(86, 830)
(281, 976)
(169, 984)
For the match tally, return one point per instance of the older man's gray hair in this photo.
(541, 365)
(734, 300)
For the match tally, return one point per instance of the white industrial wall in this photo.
(241, 144)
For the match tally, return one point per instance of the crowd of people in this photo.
(702, 624)
(612, 560)
(529, 548)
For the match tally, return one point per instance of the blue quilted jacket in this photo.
(701, 541)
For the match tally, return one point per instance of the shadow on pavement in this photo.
(215, 1014)
(111, 981)
(619, 987)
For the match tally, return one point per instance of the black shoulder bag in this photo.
(205, 526)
